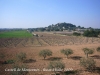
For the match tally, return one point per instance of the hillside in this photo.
(58, 27)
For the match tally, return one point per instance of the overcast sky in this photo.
(41, 13)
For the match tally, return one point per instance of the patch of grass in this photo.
(10, 61)
(15, 34)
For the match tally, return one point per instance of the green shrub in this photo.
(10, 61)
(91, 33)
(76, 34)
(45, 53)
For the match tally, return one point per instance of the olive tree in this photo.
(88, 51)
(56, 66)
(45, 53)
(88, 63)
(67, 52)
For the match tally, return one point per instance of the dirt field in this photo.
(32, 46)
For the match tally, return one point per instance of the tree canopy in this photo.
(91, 33)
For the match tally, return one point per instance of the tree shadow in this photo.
(29, 61)
(7, 62)
(71, 72)
(95, 56)
(3, 62)
(54, 58)
(76, 57)
(97, 69)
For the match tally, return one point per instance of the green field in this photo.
(15, 34)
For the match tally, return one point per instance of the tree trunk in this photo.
(87, 55)
(44, 57)
(67, 56)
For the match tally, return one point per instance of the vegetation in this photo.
(15, 34)
(56, 65)
(87, 63)
(76, 34)
(56, 27)
(98, 49)
(91, 33)
(45, 53)
(88, 51)
(19, 70)
(67, 52)
(10, 61)
(21, 56)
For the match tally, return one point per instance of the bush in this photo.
(45, 53)
(67, 52)
(88, 51)
(76, 34)
(20, 72)
(98, 49)
(21, 56)
(87, 63)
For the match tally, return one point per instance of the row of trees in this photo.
(67, 52)
(46, 52)
(88, 33)
(91, 33)
(57, 27)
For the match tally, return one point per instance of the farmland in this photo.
(47, 40)
(15, 34)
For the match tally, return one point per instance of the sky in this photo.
(42, 13)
